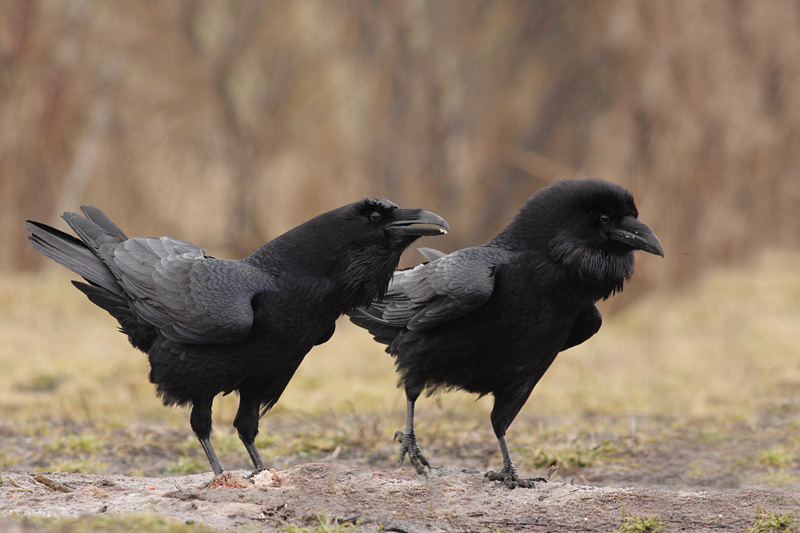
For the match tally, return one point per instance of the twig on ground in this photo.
(55, 485)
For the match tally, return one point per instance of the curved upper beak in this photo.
(637, 235)
(417, 222)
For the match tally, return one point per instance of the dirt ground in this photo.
(692, 477)
(396, 500)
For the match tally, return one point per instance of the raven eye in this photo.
(604, 219)
(375, 216)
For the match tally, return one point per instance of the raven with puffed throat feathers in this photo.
(491, 319)
(213, 326)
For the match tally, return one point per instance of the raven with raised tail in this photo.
(491, 319)
(213, 326)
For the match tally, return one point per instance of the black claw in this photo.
(511, 479)
(408, 446)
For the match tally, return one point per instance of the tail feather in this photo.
(92, 234)
(100, 218)
(73, 254)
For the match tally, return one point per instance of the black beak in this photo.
(637, 235)
(417, 222)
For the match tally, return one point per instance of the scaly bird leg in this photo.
(210, 455)
(408, 443)
(246, 423)
(508, 475)
(258, 463)
(200, 420)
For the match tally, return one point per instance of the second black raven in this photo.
(213, 326)
(492, 318)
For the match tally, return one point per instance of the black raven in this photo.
(213, 326)
(491, 319)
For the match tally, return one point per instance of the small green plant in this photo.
(571, 456)
(766, 521)
(779, 457)
(325, 525)
(637, 524)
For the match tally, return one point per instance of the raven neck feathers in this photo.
(600, 271)
(354, 275)
(364, 278)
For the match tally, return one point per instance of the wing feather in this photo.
(191, 298)
(445, 289)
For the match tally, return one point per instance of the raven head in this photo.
(374, 234)
(589, 226)
(353, 250)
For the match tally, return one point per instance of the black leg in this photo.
(408, 440)
(246, 423)
(200, 420)
(504, 411)
(508, 475)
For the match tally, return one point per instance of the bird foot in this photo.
(228, 480)
(510, 478)
(408, 446)
(255, 472)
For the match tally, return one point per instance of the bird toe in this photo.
(512, 480)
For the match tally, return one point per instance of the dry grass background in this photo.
(225, 123)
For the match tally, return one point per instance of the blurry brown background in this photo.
(226, 123)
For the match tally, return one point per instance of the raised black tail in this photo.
(87, 257)
(82, 256)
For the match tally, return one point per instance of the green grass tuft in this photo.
(637, 524)
(571, 455)
(766, 521)
(779, 457)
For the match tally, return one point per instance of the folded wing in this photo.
(437, 292)
(166, 283)
(189, 297)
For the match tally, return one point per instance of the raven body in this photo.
(213, 326)
(491, 319)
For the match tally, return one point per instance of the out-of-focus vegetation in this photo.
(226, 123)
(88, 524)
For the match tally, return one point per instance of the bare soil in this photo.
(395, 500)
(703, 476)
